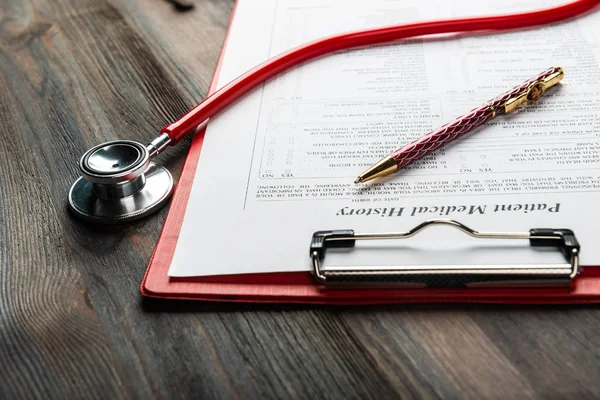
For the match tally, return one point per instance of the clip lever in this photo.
(449, 276)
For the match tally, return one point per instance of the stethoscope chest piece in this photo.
(119, 183)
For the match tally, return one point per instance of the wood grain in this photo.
(74, 73)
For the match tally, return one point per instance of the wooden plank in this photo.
(443, 353)
(485, 351)
(244, 351)
(554, 348)
(51, 338)
(73, 74)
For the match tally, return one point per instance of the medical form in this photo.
(300, 140)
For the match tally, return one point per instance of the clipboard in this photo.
(576, 285)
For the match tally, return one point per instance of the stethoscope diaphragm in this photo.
(119, 183)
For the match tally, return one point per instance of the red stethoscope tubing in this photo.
(220, 99)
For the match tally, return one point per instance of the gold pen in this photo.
(526, 93)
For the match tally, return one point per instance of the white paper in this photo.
(280, 163)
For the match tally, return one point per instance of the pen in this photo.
(526, 93)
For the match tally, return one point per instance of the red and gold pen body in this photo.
(527, 92)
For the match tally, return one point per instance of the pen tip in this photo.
(358, 180)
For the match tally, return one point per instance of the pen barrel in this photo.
(444, 134)
(525, 93)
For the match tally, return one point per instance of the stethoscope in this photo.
(119, 181)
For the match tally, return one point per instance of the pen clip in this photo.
(533, 91)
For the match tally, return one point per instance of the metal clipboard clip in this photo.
(448, 276)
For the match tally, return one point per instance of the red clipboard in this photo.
(300, 287)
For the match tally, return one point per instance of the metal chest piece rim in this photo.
(119, 184)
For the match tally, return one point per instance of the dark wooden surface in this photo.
(74, 73)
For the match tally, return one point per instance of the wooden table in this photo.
(74, 73)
